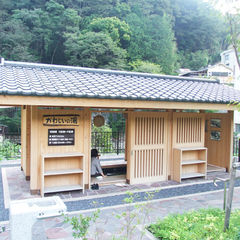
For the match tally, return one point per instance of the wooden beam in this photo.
(6, 100)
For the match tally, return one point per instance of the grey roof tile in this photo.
(63, 81)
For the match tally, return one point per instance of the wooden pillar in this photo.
(231, 119)
(34, 170)
(28, 143)
(87, 145)
(126, 130)
(170, 145)
(25, 140)
(129, 152)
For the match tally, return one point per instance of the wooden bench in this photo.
(113, 164)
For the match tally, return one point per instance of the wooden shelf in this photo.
(63, 188)
(189, 163)
(60, 155)
(192, 175)
(62, 172)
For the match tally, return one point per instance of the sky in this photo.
(226, 5)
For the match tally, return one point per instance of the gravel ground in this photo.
(141, 196)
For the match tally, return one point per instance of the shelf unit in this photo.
(62, 172)
(189, 163)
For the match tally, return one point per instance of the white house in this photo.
(229, 59)
(217, 71)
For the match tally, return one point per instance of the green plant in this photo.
(81, 224)
(134, 215)
(202, 224)
(9, 150)
(102, 138)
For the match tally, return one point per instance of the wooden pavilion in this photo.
(165, 139)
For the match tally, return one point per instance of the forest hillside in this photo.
(157, 36)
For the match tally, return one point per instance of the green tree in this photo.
(152, 40)
(198, 29)
(116, 122)
(11, 117)
(48, 27)
(96, 50)
(195, 60)
(118, 30)
(145, 67)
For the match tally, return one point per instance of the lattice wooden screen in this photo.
(188, 129)
(149, 147)
(148, 163)
(149, 130)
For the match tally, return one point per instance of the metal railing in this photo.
(108, 142)
(105, 142)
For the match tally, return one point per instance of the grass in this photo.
(204, 224)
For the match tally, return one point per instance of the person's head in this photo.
(94, 153)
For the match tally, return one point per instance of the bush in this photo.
(9, 150)
(195, 225)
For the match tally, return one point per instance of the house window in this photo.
(227, 57)
(220, 74)
(237, 128)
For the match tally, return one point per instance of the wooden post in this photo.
(230, 195)
(34, 173)
(23, 138)
(87, 145)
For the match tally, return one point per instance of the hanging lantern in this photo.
(98, 120)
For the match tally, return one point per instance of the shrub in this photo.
(195, 225)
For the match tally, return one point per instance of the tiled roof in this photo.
(32, 79)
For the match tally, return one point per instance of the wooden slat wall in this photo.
(149, 130)
(149, 147)
(220, 152)
(188, 129)
(148, 163)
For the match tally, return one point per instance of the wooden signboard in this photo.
(61, 137)
(61, 120)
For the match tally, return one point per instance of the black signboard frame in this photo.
(61, 137)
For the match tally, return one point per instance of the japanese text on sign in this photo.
(61, 137)
(61, 120)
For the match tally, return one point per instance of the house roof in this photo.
(212, 66)
(46, 80)
(205, 69)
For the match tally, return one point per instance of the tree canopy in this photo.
(163, 35)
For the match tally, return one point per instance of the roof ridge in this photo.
(103, 71)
